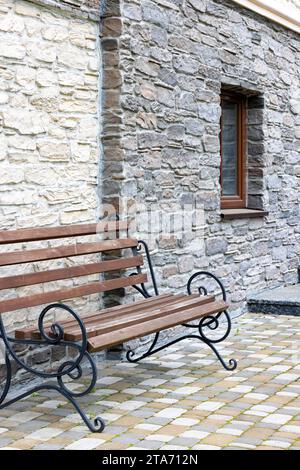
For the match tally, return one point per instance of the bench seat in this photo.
(125, 322)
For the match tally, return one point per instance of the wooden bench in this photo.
(117, 263)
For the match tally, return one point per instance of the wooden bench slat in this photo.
(118, 310)
(126, 311)
(63, 294)
(40, 277)
(128, 333)
(28, 256)
(101, 327)
(50, 233)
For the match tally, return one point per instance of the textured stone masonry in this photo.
(168, 61)
(49, 107)
(49, 116)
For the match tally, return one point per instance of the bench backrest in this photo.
(23, 257)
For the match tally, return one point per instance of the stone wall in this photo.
(169, 60)
(49, 116)
(49, 113)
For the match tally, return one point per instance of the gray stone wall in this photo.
(168, 60)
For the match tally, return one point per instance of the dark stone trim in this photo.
(274, 309)
(229, 214)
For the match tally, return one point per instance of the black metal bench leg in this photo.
(97, 425)
(131, 355)
(212, 323)
(232, 362)
(7, 382)
(71, 369)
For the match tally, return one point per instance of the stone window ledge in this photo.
(228, 214)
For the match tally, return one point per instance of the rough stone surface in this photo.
(281, 301)
(89, 9)
(174, 57)
(49, 155)
(49, 109)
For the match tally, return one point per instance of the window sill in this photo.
(228, 214)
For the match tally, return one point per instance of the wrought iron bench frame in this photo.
(74, 368)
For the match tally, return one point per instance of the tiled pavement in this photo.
(181, 398)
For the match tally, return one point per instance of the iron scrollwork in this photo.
(72, 368)
(211, 322)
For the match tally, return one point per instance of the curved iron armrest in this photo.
(210, 321)
(202, 289)
(142, 289)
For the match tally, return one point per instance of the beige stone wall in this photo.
(49, 126)
(49, 73)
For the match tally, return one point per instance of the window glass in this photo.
(229, 143)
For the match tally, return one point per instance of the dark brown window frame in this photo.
(240, 200)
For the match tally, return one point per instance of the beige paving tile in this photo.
(220, 440)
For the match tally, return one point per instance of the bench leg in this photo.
(7, 382)
(71, 369)
(131, 355)
(212, 323)
(96, 425)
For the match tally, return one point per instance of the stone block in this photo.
(75, 217)
(112, 27)
(11, 174)
(211, 143)
(198, 5)
(147, 67)
(152, 14)
(216, 246)
(46, 78)
(54, 151)
(55, 33)
(11, 50)
(72, 57)
(3, 147)
(27, 9)
(42, 51)
(176, 132)
(151, 140)
(25, 121)
(11, 23)
(185, 64)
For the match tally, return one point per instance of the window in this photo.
(233, 150)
